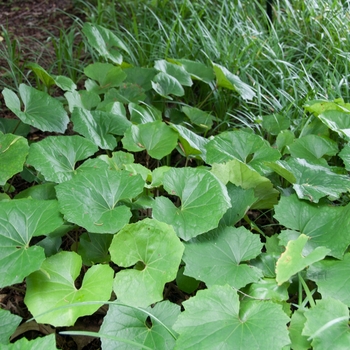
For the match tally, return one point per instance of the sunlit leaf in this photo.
(174, 70)
(92, 199)
(9, 323)
(156, 252)
(204, 200)
(54, 285)
(165, 85)
(48, 343)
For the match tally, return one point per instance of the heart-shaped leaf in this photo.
(91, 199)
(204, 200)
(326, 225)
(156, 137)
(294, 260)
(215, 317)
(134, 325)
(13, 153)
(174, 70)
(332, 278)
(232, 82)
(156, 252)
(105, 42)
(40, 109)
(216, 257)
(53, 286)
(165, 85)
(20, 220)
(55, 156)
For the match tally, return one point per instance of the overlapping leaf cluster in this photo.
(88, 181)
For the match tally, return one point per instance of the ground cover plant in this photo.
(145, 194)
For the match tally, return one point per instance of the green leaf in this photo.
(299, 341)
(192, 145)
(313, 181)
(344, 154)
(118, 161)
(174, 70)
(326, 226)
(14, 126)
(20, 220)
(214, 319)
(82, 99)
(216, 257)
(43, 192)
(242, 175)
(134, 325)
(105, 42)
(165, 85)
(48, 343)
(97, 126)
(275, 123)
(94, 248)
(198, 117)
(284, 139)
(197, 70)
(13, 153)
(204, 200)
(107, 75)
(313, 147)
(327, 325)
(230, 81)
(40, 110)
(92, 199)
(140, 76)
(64, 83)
(156, 252)
(318, 107)
(185, 283)
(332, 278)
(9, 323)
(53, 287)
(143, 114)
(294, 259)
(156, 137)
(56, 156)
(267, 288)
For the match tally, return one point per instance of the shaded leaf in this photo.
(275, 123)
(216, 257)
(156, 252)
(13, 153)
(53, 286)
(40, 109)
(204, 200)
(299, 341)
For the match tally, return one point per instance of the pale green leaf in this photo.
(214, 319)
(268, 288)
(92, 199)
(56, 156)
(143, 114)
(165, 85)
(82, 99)
(299, 341)
(156, 137)
(337, 121)
(46, 343)
(204, 200)
(216, 257)
(13, 153)
(20, 220)
(174, 70)
(136, 325)
(9, 323)
(156, 252)
(53, 287)
(294, 259)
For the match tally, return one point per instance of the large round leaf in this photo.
(55, 156)
(40, 109)
(156, 137)
(215, 319)
(91, 199)
(13, 153)
(133, 325)
(20, 220)
(53, 286)
(216, 257)
(156, 252)
(204, 201)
